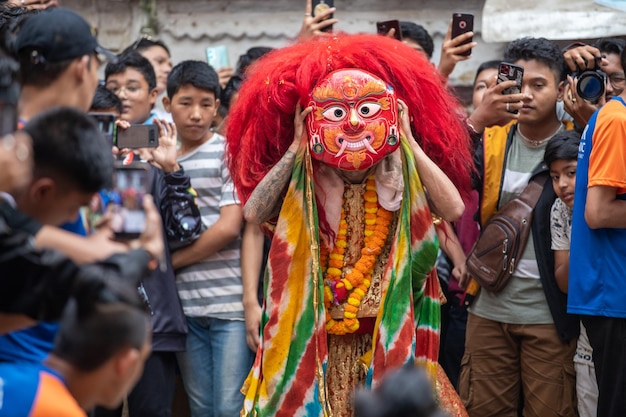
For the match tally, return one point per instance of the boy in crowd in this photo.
(597, 254)
(102, 344)
(520, 340)
(217, 359)
(561, 157)
(133, 80)
(105, 101)
(170, 186)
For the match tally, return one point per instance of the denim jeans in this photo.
(213, 368)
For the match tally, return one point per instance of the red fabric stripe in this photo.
(279, 261)
(303, 380)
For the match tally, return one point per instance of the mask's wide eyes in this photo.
(369, 109)
(334, 113)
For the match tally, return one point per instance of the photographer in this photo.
(600, 65)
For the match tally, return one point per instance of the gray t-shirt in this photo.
(522, 301)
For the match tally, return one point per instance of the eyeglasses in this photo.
(617, 80)
(130, 89)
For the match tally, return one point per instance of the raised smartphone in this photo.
(124, 202)
(318, 6)
(462, 23)
(508, 71)
(383, 28)
(138, 136)
(217, 56)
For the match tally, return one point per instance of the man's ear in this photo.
(167, 104)
(81, 67)
(125, 361)
(217, 107)
(154, 94)
(41, 191)
(560, 91)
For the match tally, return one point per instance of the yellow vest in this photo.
(494, 150)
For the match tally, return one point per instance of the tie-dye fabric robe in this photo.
(288, 376)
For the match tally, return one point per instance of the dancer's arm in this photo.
(264, 200)
(445, 200)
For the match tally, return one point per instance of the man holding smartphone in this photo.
(521, 339)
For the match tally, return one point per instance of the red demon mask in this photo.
(354, 122)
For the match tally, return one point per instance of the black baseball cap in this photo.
(59, 34)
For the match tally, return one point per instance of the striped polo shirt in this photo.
(212, 287)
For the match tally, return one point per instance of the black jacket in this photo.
(567, 325)
(181, 225)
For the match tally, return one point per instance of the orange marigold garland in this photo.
(352, 287)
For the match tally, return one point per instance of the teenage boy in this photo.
(170, 186)
(561, 157)
(597, 254)
(133, 80)
(519, 340)
(208, 276)
(103, 342)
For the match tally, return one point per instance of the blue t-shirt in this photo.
(598, 256)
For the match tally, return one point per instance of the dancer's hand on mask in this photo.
(299, 135)
(405, 121)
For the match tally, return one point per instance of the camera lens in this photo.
(590, 85)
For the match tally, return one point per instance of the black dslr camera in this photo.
(591, 83)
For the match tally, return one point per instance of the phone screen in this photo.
(124, 202)
(319, 6)
(383, 28)
(512, 72)
(462, 23)
(507, 71)
(217, 56)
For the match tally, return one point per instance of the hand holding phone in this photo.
(164, 156)
(383, 28)
(511, 72)
(463, 23)
(320, 6)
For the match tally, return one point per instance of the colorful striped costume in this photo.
(288, 375)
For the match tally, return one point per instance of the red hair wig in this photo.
(261, 127)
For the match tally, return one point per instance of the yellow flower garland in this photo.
(352, 287)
